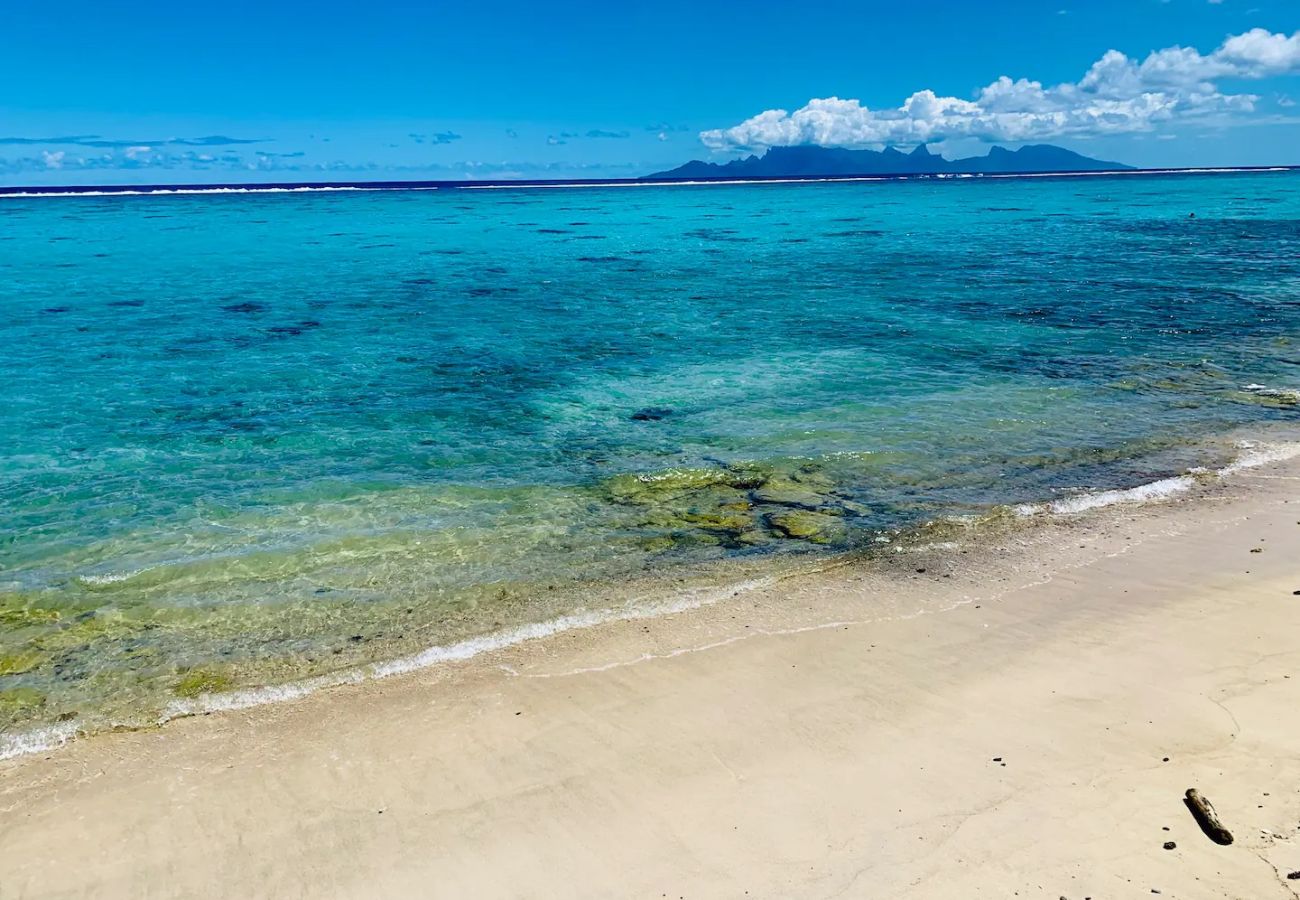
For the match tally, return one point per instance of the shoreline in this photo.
(722, 581)
(763, 743)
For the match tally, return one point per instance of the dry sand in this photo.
(1019, 720)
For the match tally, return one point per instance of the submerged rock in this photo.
(19, 615)
(786, 492)
(655, 544)
(18, 663)
(815, 527)
(15, 701)
(1278, 398)
(851, 508)
(720, 519)
(651, 414)
(735, 505)
(196, 682)
(674, 484)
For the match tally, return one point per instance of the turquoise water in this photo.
(246, 438)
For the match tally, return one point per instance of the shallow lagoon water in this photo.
(250, 438)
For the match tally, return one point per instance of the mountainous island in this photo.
(814, 162)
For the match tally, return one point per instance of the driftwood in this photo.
(1207, 818)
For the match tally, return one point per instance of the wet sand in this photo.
(1019, 719)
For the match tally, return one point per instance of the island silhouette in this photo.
(812, 161)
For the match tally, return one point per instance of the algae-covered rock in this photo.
(815, 527)
(19, 700)
(853, 508)
(719, 519)
(20, 705)
(655, 544)
(1277, 398)
(747, 476)
(17, 612)
(707, 506)
(19, 662)
(693, 507)
(663, 486)
(787, 492)
(696, 538)
(201, 681)
(633, 488)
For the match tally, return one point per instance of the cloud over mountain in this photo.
(1118, 94)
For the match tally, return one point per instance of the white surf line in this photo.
(1253, 456)
(38, 740)
(962, 601)
(249, 189)
(51, 737)
(699, 182)
(456, 652)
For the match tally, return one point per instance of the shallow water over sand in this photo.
(247, 439)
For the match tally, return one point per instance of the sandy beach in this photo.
(1021, 719)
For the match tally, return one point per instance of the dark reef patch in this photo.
(248, 306)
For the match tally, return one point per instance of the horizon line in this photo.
(251, 187)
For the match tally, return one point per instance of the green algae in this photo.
(19, 663)
(19, 702)
(1271, 398)
(743, 505)
(197, 682)
(817, 528)
(24, 615)
(720, 519)
(674, 483)
(787, 492)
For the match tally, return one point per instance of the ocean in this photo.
(255, 442)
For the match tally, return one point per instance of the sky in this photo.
(151, 92)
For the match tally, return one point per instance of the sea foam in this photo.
(37, 740)
(1251, 455)
(458, 651)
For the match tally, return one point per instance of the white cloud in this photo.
(52, 160)
(1117, 94)
(1258, 54)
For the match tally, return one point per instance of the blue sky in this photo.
(242, 91)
